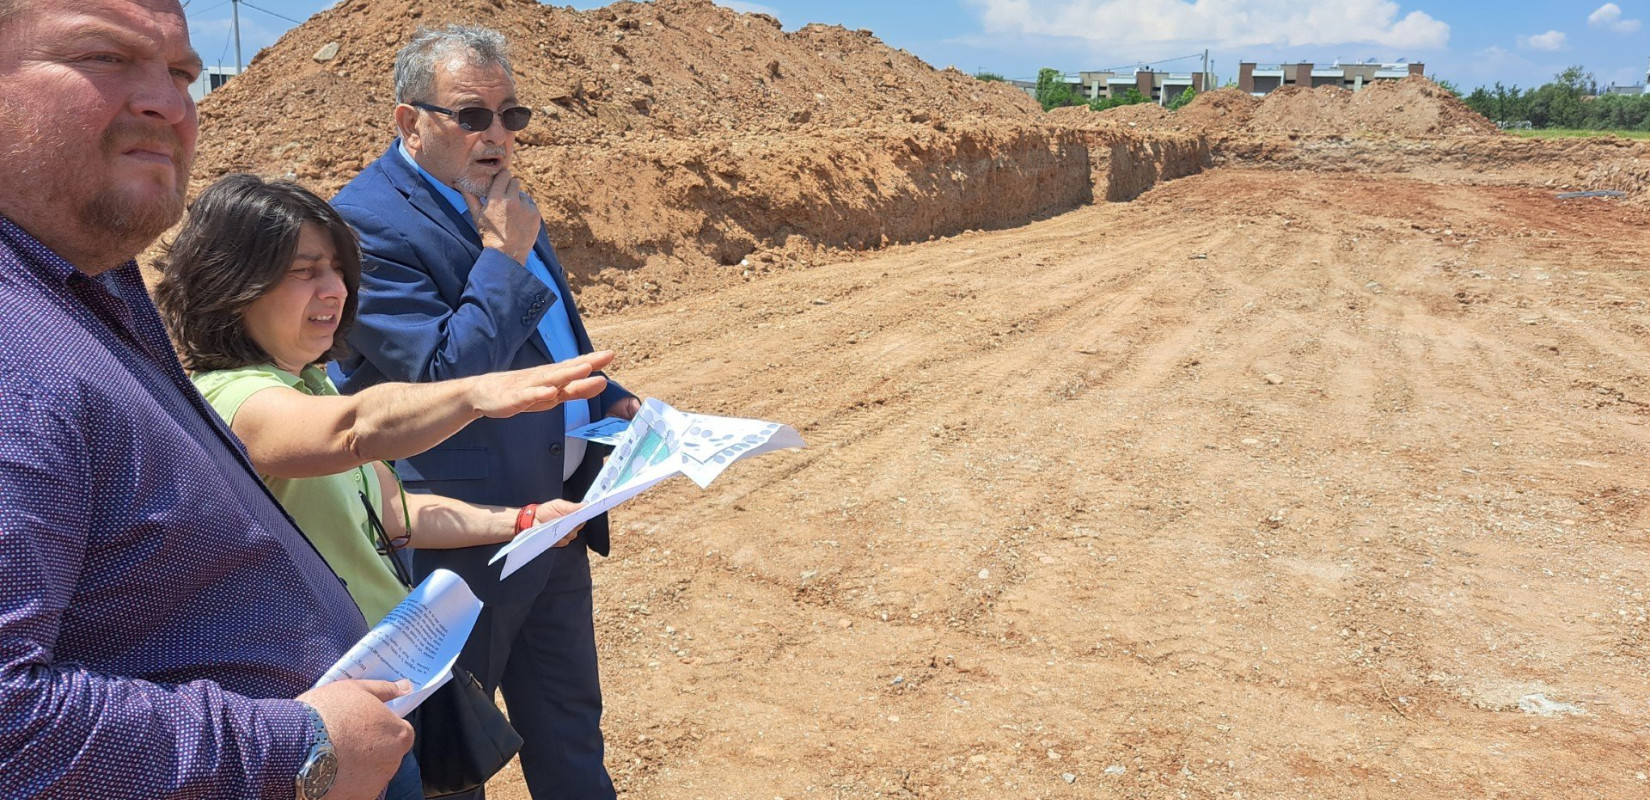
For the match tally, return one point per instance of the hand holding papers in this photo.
(419, 640)
(658, 443)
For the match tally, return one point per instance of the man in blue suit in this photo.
(460, 279)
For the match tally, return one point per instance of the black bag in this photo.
(460, 738)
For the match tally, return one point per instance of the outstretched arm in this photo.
(290, 434)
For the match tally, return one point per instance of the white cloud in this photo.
(1491, 63)
(1217, 23)
(1609, 16)
(1551, 41)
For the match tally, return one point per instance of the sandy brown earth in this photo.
(1264, 485)
(1315, 475)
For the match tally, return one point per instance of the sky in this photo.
(1467, 42)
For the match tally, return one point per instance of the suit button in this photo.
(526, 319)
(555, 449)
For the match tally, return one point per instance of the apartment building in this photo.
(210, 78)
(1159, 87)
(1259, 79)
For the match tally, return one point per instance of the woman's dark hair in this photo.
(237, 244)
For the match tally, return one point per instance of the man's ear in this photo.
(406, 124)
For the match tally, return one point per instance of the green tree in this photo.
(1128, 98)
(989, 76)
(1052, 90)
(1483, 102)
(1570, 100)
(1180, 100)
(1578, 80)
(1448, 86)
(1556, 104)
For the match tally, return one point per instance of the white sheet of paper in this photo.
(531, 543)
(658, 443)
(711, 444)
(647, 442)
(419, 640)
(603, 431)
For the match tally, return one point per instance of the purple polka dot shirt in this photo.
(156, 604)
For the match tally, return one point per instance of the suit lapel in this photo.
(427, 200)
(431, 204)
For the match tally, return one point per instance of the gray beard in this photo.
(465, 184)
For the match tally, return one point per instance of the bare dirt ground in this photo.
(1316, 475)
(1265, 485)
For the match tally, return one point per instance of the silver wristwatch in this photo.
(320, 768)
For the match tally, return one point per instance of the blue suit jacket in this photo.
(435, 305)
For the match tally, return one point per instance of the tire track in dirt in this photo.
(1003, 559)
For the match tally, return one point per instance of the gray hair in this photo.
(415, 64)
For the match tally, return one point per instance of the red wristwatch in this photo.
(524, 517)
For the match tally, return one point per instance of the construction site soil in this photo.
(1315, 471)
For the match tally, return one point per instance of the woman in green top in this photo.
(257, 291)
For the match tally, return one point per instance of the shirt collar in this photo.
(453, 196)
(39, 257)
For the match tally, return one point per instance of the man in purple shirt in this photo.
(158, 610)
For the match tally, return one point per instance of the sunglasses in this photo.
(386, 546)
(476, 118)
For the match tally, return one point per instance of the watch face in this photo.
(318, 775)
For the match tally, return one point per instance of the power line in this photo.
(198, 12)
(271, 13)
(1126, 66)
(228, 39)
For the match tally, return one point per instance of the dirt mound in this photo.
(670, 69)
(1559, 165)
(1140, 116)
(1148, 115)
(1072, 116)
(678, 145)
(1219, 111)
(1413, 107)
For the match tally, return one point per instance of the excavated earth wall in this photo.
(1602, 163)
(717, 210)
(1123, 164)
(653, 220)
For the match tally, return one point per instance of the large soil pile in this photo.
(1148, 115)
(679, 146)
(1561, 165)
(630, 71)
(1413, 107)
(1226, 109)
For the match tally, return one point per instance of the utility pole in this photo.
(1206, 78)
(235, 6)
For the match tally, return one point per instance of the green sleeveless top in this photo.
(327, 509)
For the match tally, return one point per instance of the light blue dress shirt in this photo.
(555, 327)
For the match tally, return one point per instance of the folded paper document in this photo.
(658, 443)
(603, 431)
(419, 640)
